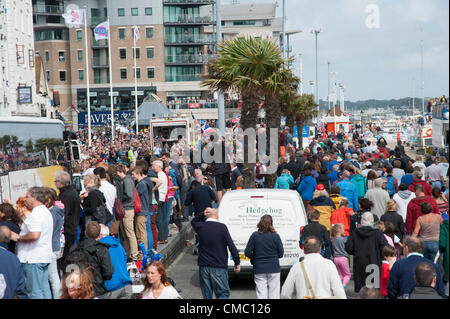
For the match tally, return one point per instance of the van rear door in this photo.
(241, 211)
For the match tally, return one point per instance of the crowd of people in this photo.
(362, 199)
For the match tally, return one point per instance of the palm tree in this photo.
(244, 66)
(280, 87)
(300, 109)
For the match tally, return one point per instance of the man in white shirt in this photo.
(157, 167)
(34, 244)
(108, 189)
(321, 272)
(433, 174)
(420, 164)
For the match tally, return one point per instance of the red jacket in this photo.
(384, 277)
(426, 186)
(413, 211)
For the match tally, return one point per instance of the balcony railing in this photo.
(188, 59)
(184, 78)
(189, 2)
(189, 39)
(99, 43)
(191, 20)
(40, 8)
(200, 104)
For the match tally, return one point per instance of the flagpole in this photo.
(135, 84)
(110, 82)
(88, 98)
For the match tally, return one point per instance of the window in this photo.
(47, 73)
(244, 22)
(81, 75)
(149, 33)
(151, 73)
(79, 35)
(134, 12)
(150, 53)
(47, 56)
(62, 76)
(138, 73)
(138, 53)
(123, 74)
(62, 56)
(80, 55)
(122, 34)
(148, 11)
(123, 53)
(121, 12)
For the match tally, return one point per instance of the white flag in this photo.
(137, 33)
(74, 17)
(102, 31)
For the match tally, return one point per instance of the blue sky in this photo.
(382, 62)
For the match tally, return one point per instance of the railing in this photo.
(189, 59)
(200, 104)
(184, 78)
(191, 20)
(99, 43)
(39, 8)
(189, 1)
(189, 39)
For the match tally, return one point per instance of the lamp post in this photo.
(316, 32)
(328, 96)
(288, 49)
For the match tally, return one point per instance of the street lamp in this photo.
(288, 49)
(328, 96)
(316, 32)
(342, 89)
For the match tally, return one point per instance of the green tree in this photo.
(299, 110)
(29, 146)
(244, 65)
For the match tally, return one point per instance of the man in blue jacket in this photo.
(12, 277)
(119, 286)
(214, 239)
(401, 278)
(348, 190)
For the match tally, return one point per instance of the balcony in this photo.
(46, 9)
(190, 20)
(100, 44)
(99, 64)
(188, 59)
(184, 78)
(188, 2)
(189, 39)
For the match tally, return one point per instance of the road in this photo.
(184, 271)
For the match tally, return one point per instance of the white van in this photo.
(241, 211)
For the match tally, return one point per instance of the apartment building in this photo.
(17, 60)
(64, 54)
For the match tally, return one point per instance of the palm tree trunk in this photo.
(273, 120)
(249, 119)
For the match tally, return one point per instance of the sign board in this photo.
(102, 118)
(305, 131)
(24, 95)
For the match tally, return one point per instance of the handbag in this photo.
(137, 202)
(308, 283)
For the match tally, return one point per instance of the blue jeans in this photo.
(213, 279)
(36, 281)
(53, 278)
(148, 227)
(430, 250)
(437, 184)
(167, 210)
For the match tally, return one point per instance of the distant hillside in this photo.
(369, 104)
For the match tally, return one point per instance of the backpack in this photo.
(390, 185)
(119, 211)
(79, 257)
(102, 214)
(259, 171)
(137, 202)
